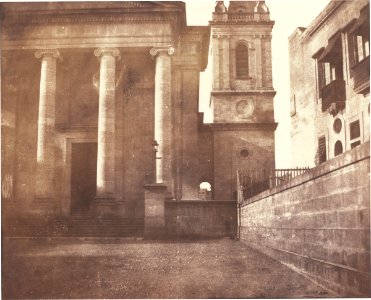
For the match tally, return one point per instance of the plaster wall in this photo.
(308, 122)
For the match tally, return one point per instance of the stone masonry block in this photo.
(351, 258)
(364, 284)
(352, 198)
(352, 238)
(337, 237)
(364, 235)
(331, 219)
(363, 261)
(321, 204)
(334, 255)
(347, 219)
(334, 201)
(365, 196)
(363, 218)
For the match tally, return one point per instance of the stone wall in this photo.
(318, 223)
(228, 144)
(200, 218)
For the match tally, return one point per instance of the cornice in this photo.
(242, 126)
(321, 19)
(239, 23)
(251, 92)
(238, 34)
(85, 18)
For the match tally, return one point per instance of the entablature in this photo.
(91, 24)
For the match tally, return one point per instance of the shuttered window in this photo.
(355, 134)
(322, 149)
(242, 61)
(355, 131)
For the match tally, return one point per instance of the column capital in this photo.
(47, 52)
(107, 51)
(162, 50)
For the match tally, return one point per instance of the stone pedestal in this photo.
(154, 215)
(105, 197)
(44, 196)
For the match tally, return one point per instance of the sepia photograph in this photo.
(185, 149)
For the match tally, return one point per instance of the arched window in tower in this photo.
(242, 61)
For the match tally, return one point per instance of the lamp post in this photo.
(155, 146)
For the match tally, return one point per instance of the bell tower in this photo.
(242, 92)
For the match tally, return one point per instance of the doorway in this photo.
(83, 176)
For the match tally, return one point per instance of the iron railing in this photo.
(253, 182)
(282, 175)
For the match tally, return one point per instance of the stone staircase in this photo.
(78, 225)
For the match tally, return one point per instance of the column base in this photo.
(104, 206)
(43, 205)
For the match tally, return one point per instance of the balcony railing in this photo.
(240, 17)
(333, 93)
(361, 77)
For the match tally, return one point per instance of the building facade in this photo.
(100, 105)
(330, 80)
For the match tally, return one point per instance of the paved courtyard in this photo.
(78, 268)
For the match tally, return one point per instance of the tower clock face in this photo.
(245, 108)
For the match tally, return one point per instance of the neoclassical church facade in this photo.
(100, 105)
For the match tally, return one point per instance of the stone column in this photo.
(45, 135)
(104, 201)
(163, 125)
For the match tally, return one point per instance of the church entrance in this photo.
(83, 176)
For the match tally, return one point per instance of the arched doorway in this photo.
(204, 192)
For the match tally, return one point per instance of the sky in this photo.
(288, 15)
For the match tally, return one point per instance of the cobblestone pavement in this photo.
(96, 268)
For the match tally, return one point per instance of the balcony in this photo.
(361, 76)
(241, 17)
(333, 96)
